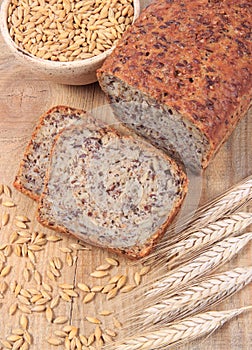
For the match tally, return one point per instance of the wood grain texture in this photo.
(22, 99)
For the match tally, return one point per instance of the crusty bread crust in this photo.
(195, 58)
(18, 182)
(135, 252)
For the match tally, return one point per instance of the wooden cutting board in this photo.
(22, 99)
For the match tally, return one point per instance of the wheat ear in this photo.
(203, 238)
(180, 332)
(225, 204)
(206, 262)
(194, 298)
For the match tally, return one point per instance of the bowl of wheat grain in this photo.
(65, 41)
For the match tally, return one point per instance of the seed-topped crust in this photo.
(193, 57)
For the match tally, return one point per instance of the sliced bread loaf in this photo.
(110, 190)
(181, 75)
(31, 174)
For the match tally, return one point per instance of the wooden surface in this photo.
(22, 99)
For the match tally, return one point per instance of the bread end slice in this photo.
(30, 177)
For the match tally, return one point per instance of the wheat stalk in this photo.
(203, 238)
(225, 204)
(180, 332)
(206, 262)
(194, 298)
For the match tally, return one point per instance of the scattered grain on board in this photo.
(89, 297)
(112, 261)
(60, 320)
(93, 320)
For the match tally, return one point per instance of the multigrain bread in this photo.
(32, 170)
(181, 75)
(110, 190)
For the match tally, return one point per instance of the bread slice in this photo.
(110, 190)
(181, 75)
(32, 170)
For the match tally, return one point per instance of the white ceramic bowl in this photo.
(79, 72)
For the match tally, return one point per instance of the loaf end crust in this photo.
(193, 57)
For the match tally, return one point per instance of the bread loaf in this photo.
(181, 75)
(31, 174)
(110, 190)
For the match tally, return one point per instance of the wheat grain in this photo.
(54, 341)
(47, 287)
(73, 333)
(96, 289)
(105, 312)
(177, 333)
(25, 293)
(65, 296)
(5, 219)
(67, 328)
(53, 238)
(89, 297)
(26, 275)
(78, 246)
(71, 293)
(99, 274)
(37, 277)
(13, 337)
(6, 270)
(69, 259)
(93, 320)
(107, 288)
(35, 298)
(114, 279)
(83, 287)
(117, 323)
(49, 314)
(90, 339)
(8, 204)
(214, 257)
(25, 346)
(38, 308)
(60, 333)
(112, 261)
(60, 320)
(23, 321)
(103, 267)
(83, 340)
(24, 308)
(17, 344)
(21, 224)
(6, 344)
(8, 250)
(55, 301)
(13, 309)
(22, 218)
(112, 293)
(18, 331)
